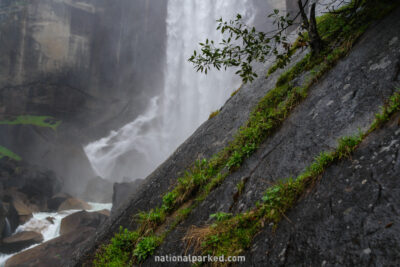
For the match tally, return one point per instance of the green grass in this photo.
(41, 121)
(4, 152)
(232, 236)
(206, 174)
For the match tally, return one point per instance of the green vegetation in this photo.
(41, 121)
(4, 152)
(236, 91)
(206, 174)
(146, 247)
(213, 114)
(240, 187)
(221, 216)
(231, 236)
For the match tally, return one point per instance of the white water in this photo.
(39, 223)
(187, 98)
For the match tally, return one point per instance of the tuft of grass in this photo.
(236, 91)
(221, 216)
(146, 247)
(233, 235)
(118, 252)
(4, 152)
(41, 121)
(240, 187)
(213, 114)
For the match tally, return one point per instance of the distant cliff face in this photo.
(111, 52)
(92, 64)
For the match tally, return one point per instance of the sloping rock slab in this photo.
(351, 218)
(343, 101)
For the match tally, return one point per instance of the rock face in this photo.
(349, 219)
(61, 59)
(80, 220)
(123, 192)
(343, 101)
(20, 241)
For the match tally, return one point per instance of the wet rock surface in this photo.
(350, 218)
(74, 204)
(122, 192)
(54, 203)
(81, 219)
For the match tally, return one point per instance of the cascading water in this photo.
(49, 229)
(187, 99)
(7, 228)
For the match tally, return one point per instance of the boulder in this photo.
(22, 205)
(105, 212)
(123, 191)
(54, 203)
(37, 185)
(56, 252)
(81, 219)
(74, 204)
(20, 241)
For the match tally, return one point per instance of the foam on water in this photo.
(39, 223)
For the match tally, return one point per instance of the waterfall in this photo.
(7, 228)
(186, 100)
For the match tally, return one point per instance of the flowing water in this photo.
(39, 223)
(186, 100)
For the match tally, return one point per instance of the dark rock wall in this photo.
(93, 64)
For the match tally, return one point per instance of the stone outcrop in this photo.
(19, 241)
(54, 203)
(81, 219)
(74, 204)
(56, 252)
(25, 189)
(122, 192)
